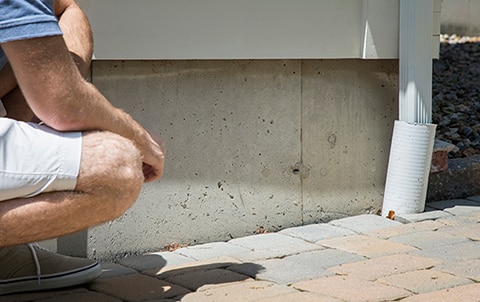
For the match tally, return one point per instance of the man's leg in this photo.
(109, 181)
(16, 106)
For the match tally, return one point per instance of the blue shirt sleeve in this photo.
(26, 19)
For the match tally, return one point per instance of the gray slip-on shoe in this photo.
(29, 267)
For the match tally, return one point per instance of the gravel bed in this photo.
(456, 94)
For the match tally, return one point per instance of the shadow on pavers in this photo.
(198, 275)
(149, 277)
(157, 275)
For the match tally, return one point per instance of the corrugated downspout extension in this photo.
(413, 136)
(408, 168)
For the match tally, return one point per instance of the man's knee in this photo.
(111, 165)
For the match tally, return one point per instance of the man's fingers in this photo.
(150, 173)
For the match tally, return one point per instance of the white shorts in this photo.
(36, 159)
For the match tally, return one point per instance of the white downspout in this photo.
(415, 53)
(413, 135)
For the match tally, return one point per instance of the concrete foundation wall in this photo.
(250, 144)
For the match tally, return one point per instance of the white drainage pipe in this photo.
(413, 136)
(408, 168)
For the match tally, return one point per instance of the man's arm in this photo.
(62, 99)
(76, 32)
(79, 40)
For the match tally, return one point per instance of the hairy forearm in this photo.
(64, 100)
(88, 109)
(58, 94)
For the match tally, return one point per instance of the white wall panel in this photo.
(233, 29)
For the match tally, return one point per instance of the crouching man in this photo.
(83, 164)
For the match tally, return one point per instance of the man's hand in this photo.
(153, 158)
